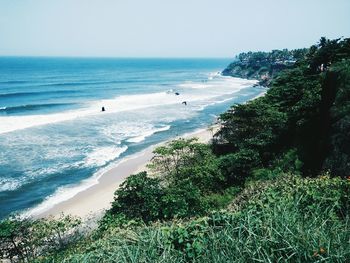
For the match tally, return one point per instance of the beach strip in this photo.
(93, 201)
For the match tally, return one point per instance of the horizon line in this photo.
(115, 57)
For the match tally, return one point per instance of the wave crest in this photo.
(32, 107)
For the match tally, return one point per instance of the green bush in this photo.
(182, 199)
(236, 167)
(142, 198)
(139, 196)
(220, 200)
(25, 240)
(331, 195)
(306, 108)
(276, 224)
(186, 159)
(288, 163)
(190, 239)
(338, 160)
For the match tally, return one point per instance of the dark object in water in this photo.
(176, 93)
(184, 102)
(103, 109)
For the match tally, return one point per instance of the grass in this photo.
(270, 227)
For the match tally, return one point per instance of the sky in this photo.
(166, 28)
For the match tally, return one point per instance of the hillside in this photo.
(263, 66)
(273, 186)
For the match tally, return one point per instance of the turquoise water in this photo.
(54, 138)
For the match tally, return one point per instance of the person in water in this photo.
(103, 109)
(184, 102)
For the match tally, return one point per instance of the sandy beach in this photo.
(96, 199)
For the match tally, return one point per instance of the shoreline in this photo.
(90, 201)
(93, 201)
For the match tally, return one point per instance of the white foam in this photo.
(118, 104)
(36, 173)
(133, 132)
(146, 134)
(13, 123)
(7, 184)
(67, 192)
(202, 107)
(194, 85)
(126, 129)
(101, 156)
(213, 75)
(219, 83)
(217, 87)
(62, 194)
(98, 157)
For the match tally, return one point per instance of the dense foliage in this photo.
(24, 240)
(186, 173)
(306, 108)
(277, 172)
(290, 219)
(263, 65)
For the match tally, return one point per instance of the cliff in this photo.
(263, 66)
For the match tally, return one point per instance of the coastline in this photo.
(93, 201)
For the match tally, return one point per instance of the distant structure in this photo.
(184, 102)
(103, 109)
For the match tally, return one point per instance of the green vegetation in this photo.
(273, 185)
(263, 65)
(306, 108)
(291, 219)
(185, 172)
(26, 240)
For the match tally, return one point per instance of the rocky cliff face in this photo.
(262, 66)
(262, 71)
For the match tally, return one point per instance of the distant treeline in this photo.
(306, 108)
(263, 65)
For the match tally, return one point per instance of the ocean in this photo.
(55, 140)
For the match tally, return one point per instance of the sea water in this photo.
(56, 141)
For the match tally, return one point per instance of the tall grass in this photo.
(271, 227)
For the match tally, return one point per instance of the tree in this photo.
(236, 167)
(338, 157)
(182, 199)
(186, 159)
(26, 239)
(139, 197)
(304, 107)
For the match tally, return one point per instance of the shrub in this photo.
(236, 167)
(139, 196)
(306, 194)
(182, 199)
(186, 159)
(274, 225)
(26, 239)
(220, 200)
(143, 198)
(288, 163)
(190, 239)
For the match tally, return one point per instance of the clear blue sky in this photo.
(166, 28)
